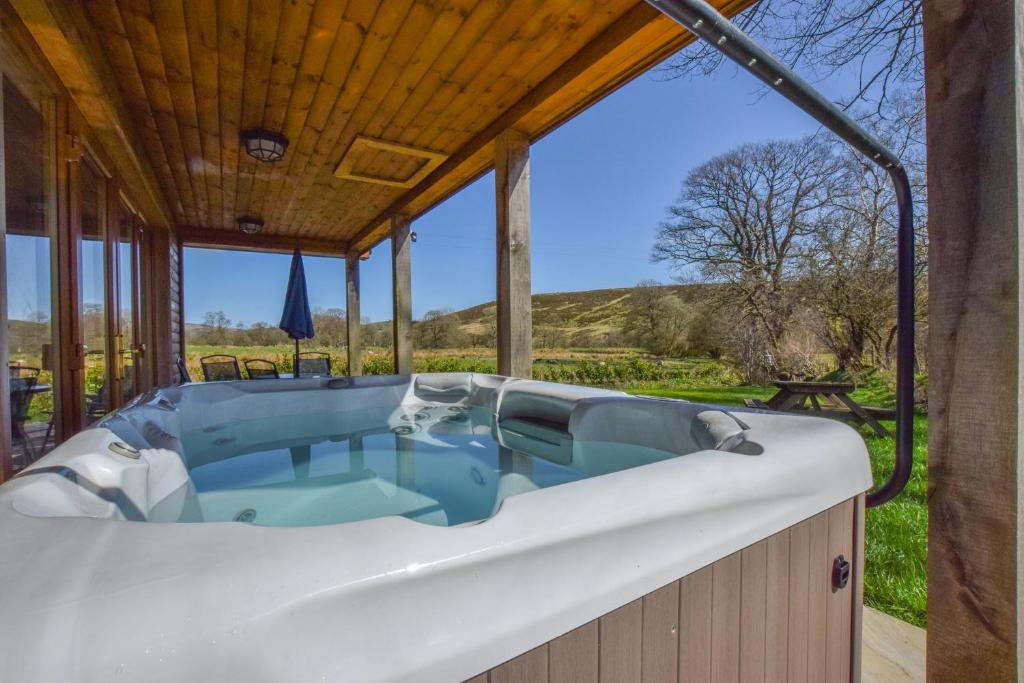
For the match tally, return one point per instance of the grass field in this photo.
(895, 577)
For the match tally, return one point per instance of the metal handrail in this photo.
(707, 23)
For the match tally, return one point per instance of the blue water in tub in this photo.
(433, 463)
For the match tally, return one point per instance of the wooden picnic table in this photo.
(830, 399)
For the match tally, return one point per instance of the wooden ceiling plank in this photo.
(438, 130)
(105, 13)
(609, 74)
(172, 36)
(491, 22)
(380, 34)
(419, 25)
(204, 63)
(500, 37)
(292, 38)
(454, 124)
(481, 101)
(432, 44)
(358, 17)
(442, 71)
(324, 31)
(232, 19)
(68, 41)
(369, 70)
(620, 31)
(261, 36)
(442, 35)
(138, 22)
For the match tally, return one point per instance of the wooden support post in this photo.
(353, 323)
(512, 194)
(162, 270)
(974, 57)
(401, 279)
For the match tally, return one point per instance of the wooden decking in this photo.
(893, 649)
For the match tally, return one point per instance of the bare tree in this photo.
(880, 39)
(851, 267)
(746, 218)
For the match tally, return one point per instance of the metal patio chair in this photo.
(22, 385)
(220, 367)
(314, 364)
(259, 368)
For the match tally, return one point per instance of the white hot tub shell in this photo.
(94, 586)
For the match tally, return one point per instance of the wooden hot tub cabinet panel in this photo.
(763, 614)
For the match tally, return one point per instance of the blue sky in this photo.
(600, 186)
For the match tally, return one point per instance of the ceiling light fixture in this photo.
(250, 225)
(264, 145)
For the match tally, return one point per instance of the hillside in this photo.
(591, 312)
(580, 316)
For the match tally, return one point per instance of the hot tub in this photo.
(432, 527)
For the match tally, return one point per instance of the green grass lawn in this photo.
(895, 578)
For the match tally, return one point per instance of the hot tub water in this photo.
(440, 464)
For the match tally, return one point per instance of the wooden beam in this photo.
(64, 36)
(285, 244)
(401, 280)
(353, 322)
(974, 59)
(512, 195)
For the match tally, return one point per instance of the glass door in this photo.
(128, 347)
(29, 224)
(92, 292)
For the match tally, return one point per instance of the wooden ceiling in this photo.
(441, 76)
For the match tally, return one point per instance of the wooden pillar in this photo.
(353, 324)
(974, 66)
(512, 194)
(163, 272)
(401, 284)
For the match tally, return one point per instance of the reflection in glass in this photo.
(91, 290)
(29, 231)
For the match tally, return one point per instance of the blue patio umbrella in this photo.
(296, 320)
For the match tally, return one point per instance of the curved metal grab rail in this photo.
(707, 23)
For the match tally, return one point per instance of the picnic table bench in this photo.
(829, 399)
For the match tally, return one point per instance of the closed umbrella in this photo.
(296, 320)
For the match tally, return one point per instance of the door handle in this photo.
(119, 356)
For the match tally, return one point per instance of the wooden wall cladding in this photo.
(764, 614)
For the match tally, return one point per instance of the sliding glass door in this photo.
(29, 234)
(130, 372)
(92, 293)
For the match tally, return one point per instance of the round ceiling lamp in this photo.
(250, 225)
(264, 145)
